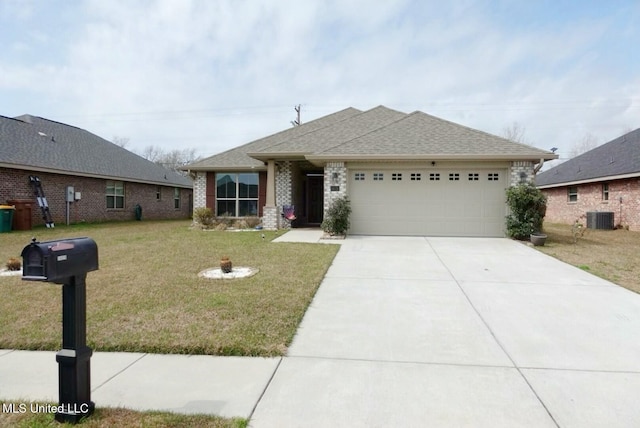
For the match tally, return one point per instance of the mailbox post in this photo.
(67, 262)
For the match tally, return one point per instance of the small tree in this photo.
(528, 206)
(336, 221)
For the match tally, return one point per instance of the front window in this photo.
(605, 192)
(572, 194)
(237, 194)
(115, 195)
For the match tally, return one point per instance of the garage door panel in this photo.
(428, 205)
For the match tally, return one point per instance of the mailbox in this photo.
(56, 261)
(67, 262)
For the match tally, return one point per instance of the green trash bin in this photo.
(6, 217)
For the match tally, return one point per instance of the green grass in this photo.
(112, 417)
(610, 254)
(147, 297)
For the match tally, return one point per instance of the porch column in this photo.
(270, 211)
(271, 184)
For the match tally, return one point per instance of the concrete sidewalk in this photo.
(224, 386)
(411, 331)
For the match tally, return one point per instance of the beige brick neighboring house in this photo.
(606, 178)
(108, 180)
(405, 174)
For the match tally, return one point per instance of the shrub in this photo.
(252, 222)
(14, 264)
(203, 216)
(336, 220)
(528, 206)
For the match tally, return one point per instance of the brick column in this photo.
(521, 171)
(200, 190)
(283, 190)
(335, 183)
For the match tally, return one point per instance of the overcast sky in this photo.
(214, 74)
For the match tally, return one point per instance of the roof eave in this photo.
(591, 180)
(265, 156)
(89, 175)
(224, 168)
(395, 157)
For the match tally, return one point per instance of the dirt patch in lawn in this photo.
(609, 254)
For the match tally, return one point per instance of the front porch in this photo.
(298, 183)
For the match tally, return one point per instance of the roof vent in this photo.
(611, 160)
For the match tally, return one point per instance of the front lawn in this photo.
(113, 417)
(611, 254)
(147, 297)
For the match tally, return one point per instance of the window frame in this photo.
(237, 199)
(114, 195)
(605, 192)
(176, 197)
(572, 197)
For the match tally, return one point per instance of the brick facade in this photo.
(15, 184)
(335, 176)
(521, 172)
(624, 202)
(199, 190)
(284, 190)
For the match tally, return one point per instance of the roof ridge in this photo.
(48, 120)
(281, 132)
(369, 132)
(350, 118)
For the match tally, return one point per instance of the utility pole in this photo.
(297, 121)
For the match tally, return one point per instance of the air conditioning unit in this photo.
(600, 220)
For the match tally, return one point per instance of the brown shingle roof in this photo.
(379, 133)
(422, 134)
(237, 158)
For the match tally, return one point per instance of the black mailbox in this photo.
(67, 262)
(56, 261)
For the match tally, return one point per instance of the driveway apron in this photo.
(442, 332)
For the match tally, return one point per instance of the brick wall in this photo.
(14, 184)
(200, 190)
(626, 213)
(330, 169)
(520, 171)
(284, 190)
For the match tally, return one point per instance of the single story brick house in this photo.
(108, 181)
(606, 178)
(405, 174)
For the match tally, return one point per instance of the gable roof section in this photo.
(376, 134)
(422, 136)
(33, 143)
(327, 137)
(237, 157)
(619, 158)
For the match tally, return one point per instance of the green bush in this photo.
(203, 216)
(336, 220)
(528, 206)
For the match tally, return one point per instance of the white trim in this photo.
(89, 175)
(591, 180)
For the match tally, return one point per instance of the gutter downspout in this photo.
(538, 166)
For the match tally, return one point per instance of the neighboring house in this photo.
(107, 180)
(606, 178)
(405, 174)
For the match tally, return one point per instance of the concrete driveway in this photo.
(455, 332)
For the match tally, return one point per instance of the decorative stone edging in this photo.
(5, 272)
(236, 273)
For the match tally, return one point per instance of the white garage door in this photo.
(434, 202)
